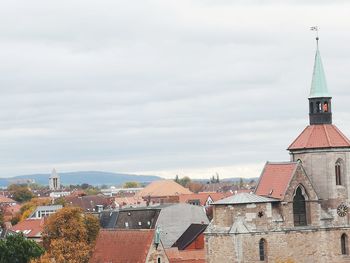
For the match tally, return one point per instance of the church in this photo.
(299, 210)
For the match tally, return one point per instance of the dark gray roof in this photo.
(244, 198)
(191, 233)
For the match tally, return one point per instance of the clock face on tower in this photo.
(342, 210)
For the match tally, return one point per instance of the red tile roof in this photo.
(31, 228)
(122, 246)
(320, 136)
(4, 199)
(203, 197)
(275, 179)
(185, 256)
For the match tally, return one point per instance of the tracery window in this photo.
(299, 208)
(344, 244)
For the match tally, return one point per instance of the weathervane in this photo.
(315, 28)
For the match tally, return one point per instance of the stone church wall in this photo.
(312, 246)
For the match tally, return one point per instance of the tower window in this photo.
(299, 208)
(325, 106)
(318, 106)
(338, 172)
(262, 249)
(344, 244)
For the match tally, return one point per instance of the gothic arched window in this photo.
(325, 106)
(344, 244)
(338, 172)
(299, 207)
(262, 250)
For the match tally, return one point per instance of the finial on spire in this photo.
(315, 28)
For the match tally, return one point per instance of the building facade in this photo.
(299, 211)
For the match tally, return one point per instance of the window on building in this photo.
(299, 208)
(318, 106)
(262, 249)
(325, 106)
(338, 171)
(344, 244)
(158, 260)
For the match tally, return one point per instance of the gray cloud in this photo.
(162, 87)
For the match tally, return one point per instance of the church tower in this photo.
(319, 99)
(54, 181)
(322, 148)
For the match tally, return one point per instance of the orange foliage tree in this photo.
(69, 236)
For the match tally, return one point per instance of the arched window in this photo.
(338, 172)
(299, 207)
(262, 250)
(158, 260)
(344, 244)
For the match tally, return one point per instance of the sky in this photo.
(183, 87)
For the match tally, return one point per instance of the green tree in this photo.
(20, 193)
(177, 179)
(17, 249)
(241, 183)
(131, 185)
(184, 181)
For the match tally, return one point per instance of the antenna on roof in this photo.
(315, 28)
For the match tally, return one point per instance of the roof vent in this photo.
(271, 191)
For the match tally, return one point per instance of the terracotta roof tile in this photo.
(202, 197)
(4, 199)
(122, 246)
(163, 188)
(320, 136)
(275, 178)
(185, 256)
(30, 227)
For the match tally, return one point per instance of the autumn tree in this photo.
(69, 235)
(1, 218)
(17, 249)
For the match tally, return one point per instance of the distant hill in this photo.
(90, 177)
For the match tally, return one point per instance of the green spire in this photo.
(319, 84)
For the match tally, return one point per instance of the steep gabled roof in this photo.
(163, 188)
(275, 179)
(122, 246)
(320, 136)
(191, 233)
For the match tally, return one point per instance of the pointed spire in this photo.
(319, 85)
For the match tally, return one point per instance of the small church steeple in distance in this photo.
(320, 110)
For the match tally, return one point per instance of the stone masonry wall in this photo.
(320, 246)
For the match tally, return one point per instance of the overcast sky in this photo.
(163, 87)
